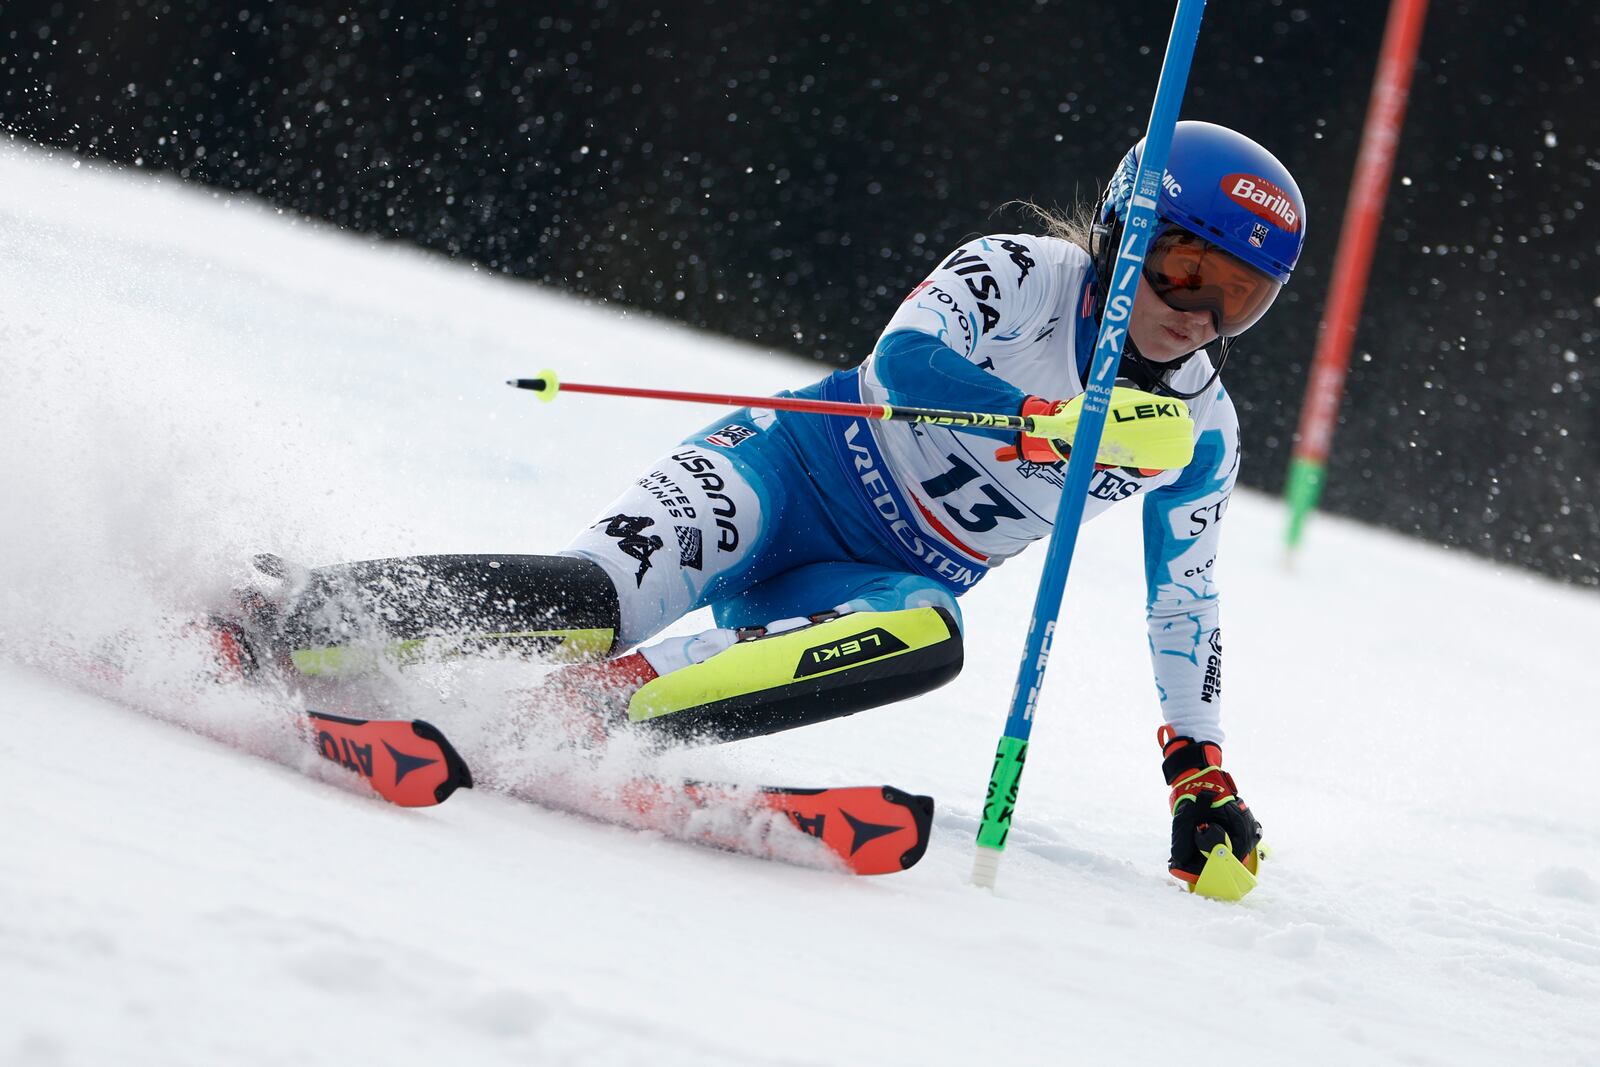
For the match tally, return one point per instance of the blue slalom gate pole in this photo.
(1011, 755)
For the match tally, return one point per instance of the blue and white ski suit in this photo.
(769, 515)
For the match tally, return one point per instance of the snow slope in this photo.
(190, 378)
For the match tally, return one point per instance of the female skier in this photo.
(831, 550)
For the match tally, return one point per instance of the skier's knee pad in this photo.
(779, 681)
(553, 607)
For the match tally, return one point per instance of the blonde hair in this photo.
(1075, 225)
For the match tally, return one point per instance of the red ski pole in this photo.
(1144, 432)
(546, 385)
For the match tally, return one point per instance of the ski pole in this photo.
(546, 385)
(1005, 779)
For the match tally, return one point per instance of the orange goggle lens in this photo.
(1192, 274)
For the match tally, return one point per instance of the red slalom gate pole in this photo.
(1352, 262)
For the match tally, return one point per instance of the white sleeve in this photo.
(1000, 287)
(1182, 531)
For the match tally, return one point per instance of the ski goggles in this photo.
(1190, 273)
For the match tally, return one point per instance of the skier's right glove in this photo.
(1205, 806)
(1143, 431)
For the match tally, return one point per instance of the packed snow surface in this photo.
(188, 379)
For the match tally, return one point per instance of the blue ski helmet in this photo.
(1230, 227)
(1228, 190)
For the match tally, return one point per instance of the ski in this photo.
(872, 829)
(866, 830)
(406, 761)
(856, 829)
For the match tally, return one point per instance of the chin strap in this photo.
(1135, 366)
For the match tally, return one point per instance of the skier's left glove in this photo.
(1143, 431)
(1205, 806)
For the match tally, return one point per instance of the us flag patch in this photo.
(1258, 234)
(729, 436)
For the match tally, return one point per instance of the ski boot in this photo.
(587, 701)
(246, 635)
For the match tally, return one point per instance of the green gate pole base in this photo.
(1304, 489)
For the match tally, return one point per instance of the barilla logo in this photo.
(1263, 198)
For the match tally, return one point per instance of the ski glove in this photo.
(1205, 806)
(1143, 432)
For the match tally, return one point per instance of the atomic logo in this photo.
(864, 832)
(405, 763)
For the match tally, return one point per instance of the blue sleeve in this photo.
(919, 370)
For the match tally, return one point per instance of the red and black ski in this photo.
(871, 829)
(406, 761)
(857, 829)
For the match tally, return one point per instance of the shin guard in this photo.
(777, 682)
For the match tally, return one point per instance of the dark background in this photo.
(785, 172)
